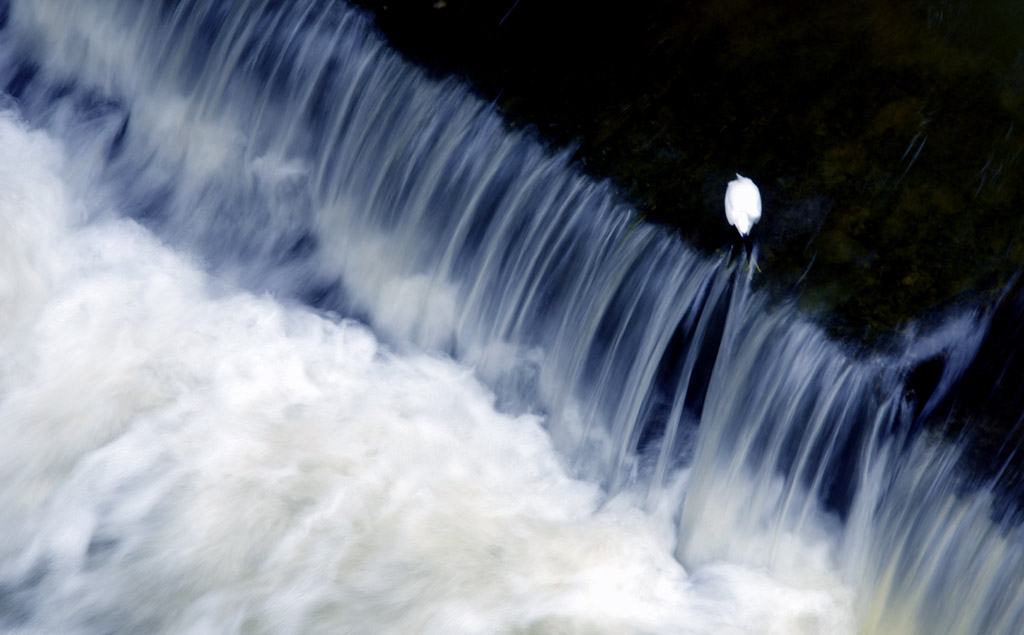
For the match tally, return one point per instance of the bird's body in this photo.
(742, 204)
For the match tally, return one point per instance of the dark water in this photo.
(298, 339)
(885, 136)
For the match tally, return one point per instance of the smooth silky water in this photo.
(294, 339)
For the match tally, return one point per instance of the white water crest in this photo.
(296, 339)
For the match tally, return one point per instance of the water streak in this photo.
(204, 195)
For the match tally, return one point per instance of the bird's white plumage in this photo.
(742, 204)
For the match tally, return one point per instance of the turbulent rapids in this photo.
(294, 339)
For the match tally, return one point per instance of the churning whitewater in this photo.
(294, 339)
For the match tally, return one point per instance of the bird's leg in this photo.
(751, 253)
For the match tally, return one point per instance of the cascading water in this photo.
(198, 199)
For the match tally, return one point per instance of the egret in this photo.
(742, 206)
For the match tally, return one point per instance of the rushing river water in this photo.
(294, 339)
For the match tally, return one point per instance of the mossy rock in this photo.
(887, 142)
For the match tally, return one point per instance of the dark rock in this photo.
(886, 140)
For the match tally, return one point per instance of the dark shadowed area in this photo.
(885, 137)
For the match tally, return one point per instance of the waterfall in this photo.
(298, 339)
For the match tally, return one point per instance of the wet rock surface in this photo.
(986, 407)
(886, 138)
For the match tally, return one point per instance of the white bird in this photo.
(742, 204)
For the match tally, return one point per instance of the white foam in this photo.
(180, 457)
